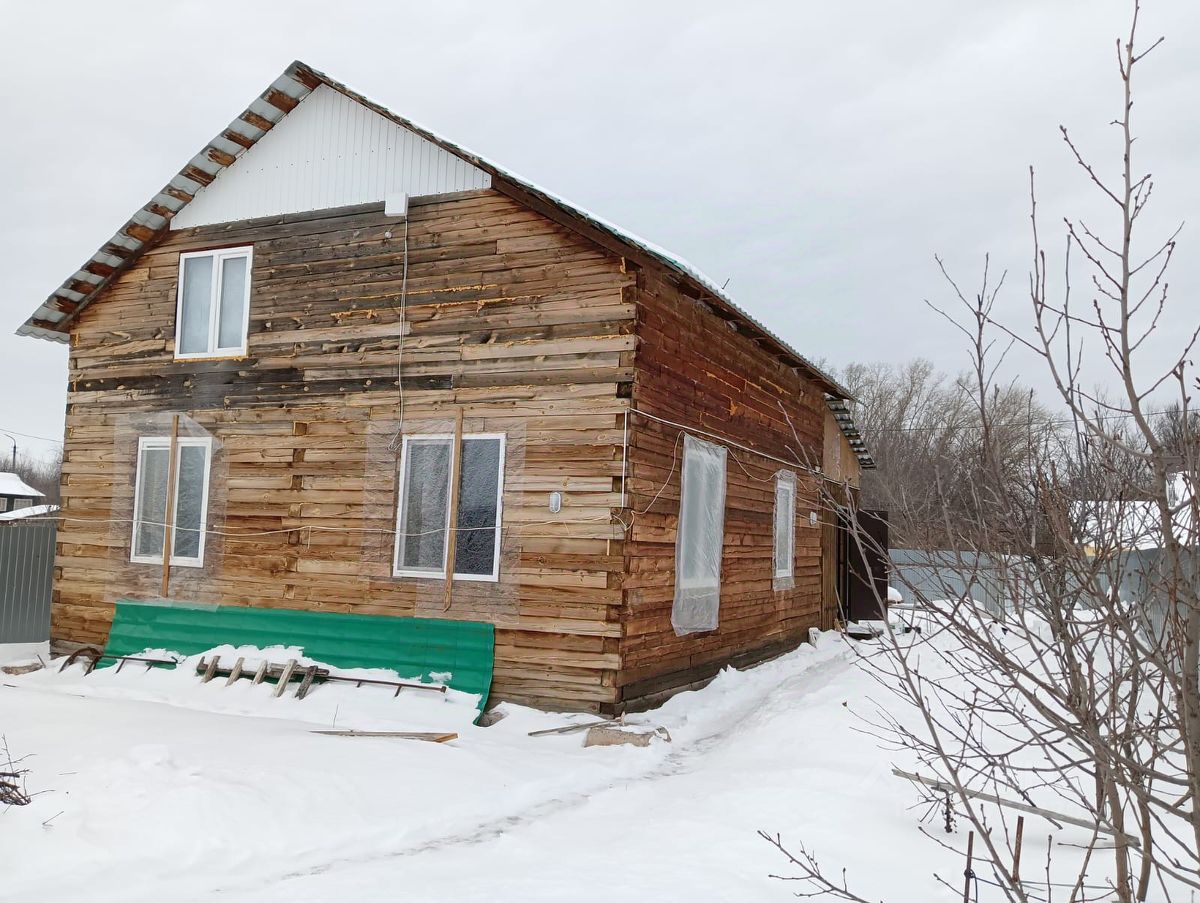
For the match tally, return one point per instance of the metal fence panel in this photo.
(993, 579)
(26, 577)
(942, 574)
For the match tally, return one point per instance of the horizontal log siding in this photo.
(694, 368)
(517, 321)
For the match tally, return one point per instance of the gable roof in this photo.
(151, 222)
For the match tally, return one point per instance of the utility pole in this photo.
(13, 440)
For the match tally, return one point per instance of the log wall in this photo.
(695, 368)
(517, 321)
(530, 329)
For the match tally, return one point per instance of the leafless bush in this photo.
(1083, 694)
(12, 779)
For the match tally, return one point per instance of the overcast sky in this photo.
(816, 155)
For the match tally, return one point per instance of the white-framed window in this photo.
(190, 508)
(785, 525)
(700, 537)
(423, 536)
(213, 311)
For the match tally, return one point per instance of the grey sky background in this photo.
(817, 155)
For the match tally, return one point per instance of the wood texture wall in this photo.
(695, 368)
(525, 326)
(531, 330)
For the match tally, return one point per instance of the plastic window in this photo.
(785, 526)
(422, 522)
(190, 510)
(213, 312)
(699, 538)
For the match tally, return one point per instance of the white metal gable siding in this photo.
(330, 151)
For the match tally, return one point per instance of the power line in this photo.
(976, 426)
(30, 436)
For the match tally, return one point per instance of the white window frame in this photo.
(219, 255)
(402, 498)
(717, 501)
(150, 442)
(785, 483)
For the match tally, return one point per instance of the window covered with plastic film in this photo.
(186, 514)
(785, 531)
(699, 538)
(423, 529)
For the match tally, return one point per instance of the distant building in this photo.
(1123, 525)
(16, 494)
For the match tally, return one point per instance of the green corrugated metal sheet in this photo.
(412, 647)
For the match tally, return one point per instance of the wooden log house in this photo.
(338, 358)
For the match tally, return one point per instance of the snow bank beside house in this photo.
(152, 781)
(149, 784)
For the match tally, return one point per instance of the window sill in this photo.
(221, 356)
(427, 575)
(175, 562)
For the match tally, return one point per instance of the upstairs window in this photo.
(189, 509)
(214, 303)
(785, 526)
(423, 536)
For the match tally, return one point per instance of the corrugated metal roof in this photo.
(147, 225)
(845, 422)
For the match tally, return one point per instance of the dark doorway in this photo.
(863, 564)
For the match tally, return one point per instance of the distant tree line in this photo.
(42, 472)
(926, 433)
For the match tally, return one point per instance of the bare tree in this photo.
(925, 433)
(42, 473)
(1082, 694)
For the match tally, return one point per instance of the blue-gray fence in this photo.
(26, 576)
(993, 579)
(941, 574)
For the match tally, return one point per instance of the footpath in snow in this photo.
(150, 784)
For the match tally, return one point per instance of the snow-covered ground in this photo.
(151, 785)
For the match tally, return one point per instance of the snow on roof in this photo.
(1117, 524)
(31, 511)
(11, 484)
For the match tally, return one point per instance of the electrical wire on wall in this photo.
(395, 443)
